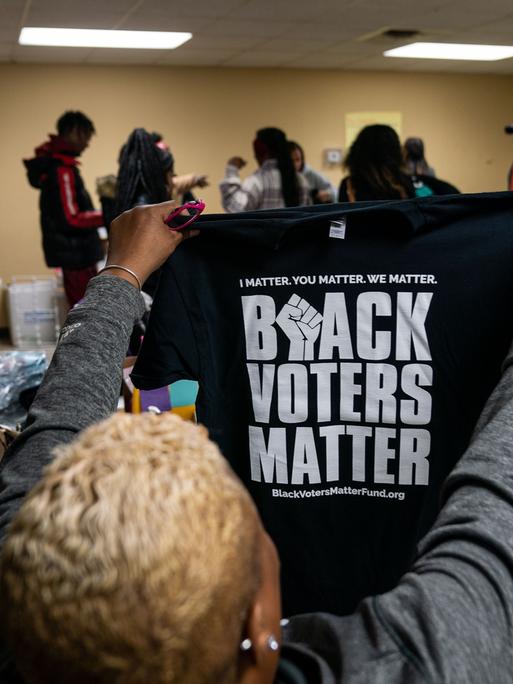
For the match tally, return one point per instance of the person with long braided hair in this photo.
(275, 184)
(145, 172)
(145, 176)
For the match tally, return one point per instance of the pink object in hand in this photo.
(192, 210)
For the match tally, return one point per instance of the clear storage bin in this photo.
(33, 311)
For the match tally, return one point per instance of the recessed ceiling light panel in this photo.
(99, 38)
(477, 53)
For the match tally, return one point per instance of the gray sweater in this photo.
(450, 619)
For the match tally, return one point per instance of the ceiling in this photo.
(325, 34)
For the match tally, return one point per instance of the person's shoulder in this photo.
(438, 186)
(303, 182)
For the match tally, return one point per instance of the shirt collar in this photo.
(393, 218)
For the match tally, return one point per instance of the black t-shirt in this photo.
(342, 367)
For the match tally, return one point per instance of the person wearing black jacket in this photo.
(449, 619)
(69, 222)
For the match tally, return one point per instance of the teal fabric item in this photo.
(183, 392)
(422, 190)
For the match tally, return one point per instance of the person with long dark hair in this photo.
(274, 184)
(376, 167)
(145, 172)
(321, 189)
(146, 176)
(183, 184)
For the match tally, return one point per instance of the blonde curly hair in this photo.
(133, 560)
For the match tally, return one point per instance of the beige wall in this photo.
(209, 114)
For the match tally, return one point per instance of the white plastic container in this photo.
(33, 311)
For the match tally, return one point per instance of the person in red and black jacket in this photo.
(68, 220)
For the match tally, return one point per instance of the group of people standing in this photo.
(138, 556)
(69, 222)
(378, 168)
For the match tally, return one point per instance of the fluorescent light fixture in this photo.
(477, 53)
(98, 38)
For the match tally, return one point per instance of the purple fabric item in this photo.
(161, 398)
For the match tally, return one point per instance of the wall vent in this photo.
(389, 36)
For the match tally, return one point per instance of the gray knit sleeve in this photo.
(80, 387)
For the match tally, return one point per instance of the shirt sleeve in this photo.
(80, 387)
(68, 195)
(450, 619)
(183, 183)
(237, 195)
(317, 181)
(454, 611)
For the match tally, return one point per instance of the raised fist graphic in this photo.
(302, 325)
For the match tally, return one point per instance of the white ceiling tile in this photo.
(262, 59)
(287, 45)
(25, 53)
(260, 29)
(182, 8)
(196, 57)
(205, 41)
(408, 9)
(324, 61)
(164, 23)
(9, 34)
(5, 51)
(353, 47)
(113, 56)
(82, 18)
(326, 31)
(424, 65)
(454, 17)
(296, 33)
(291, 12)
(71, 6)
(378, 64)
(12, 5)
(495, 34)
(11, 11)
(491, 7)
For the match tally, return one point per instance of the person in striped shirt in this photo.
(273, 185)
